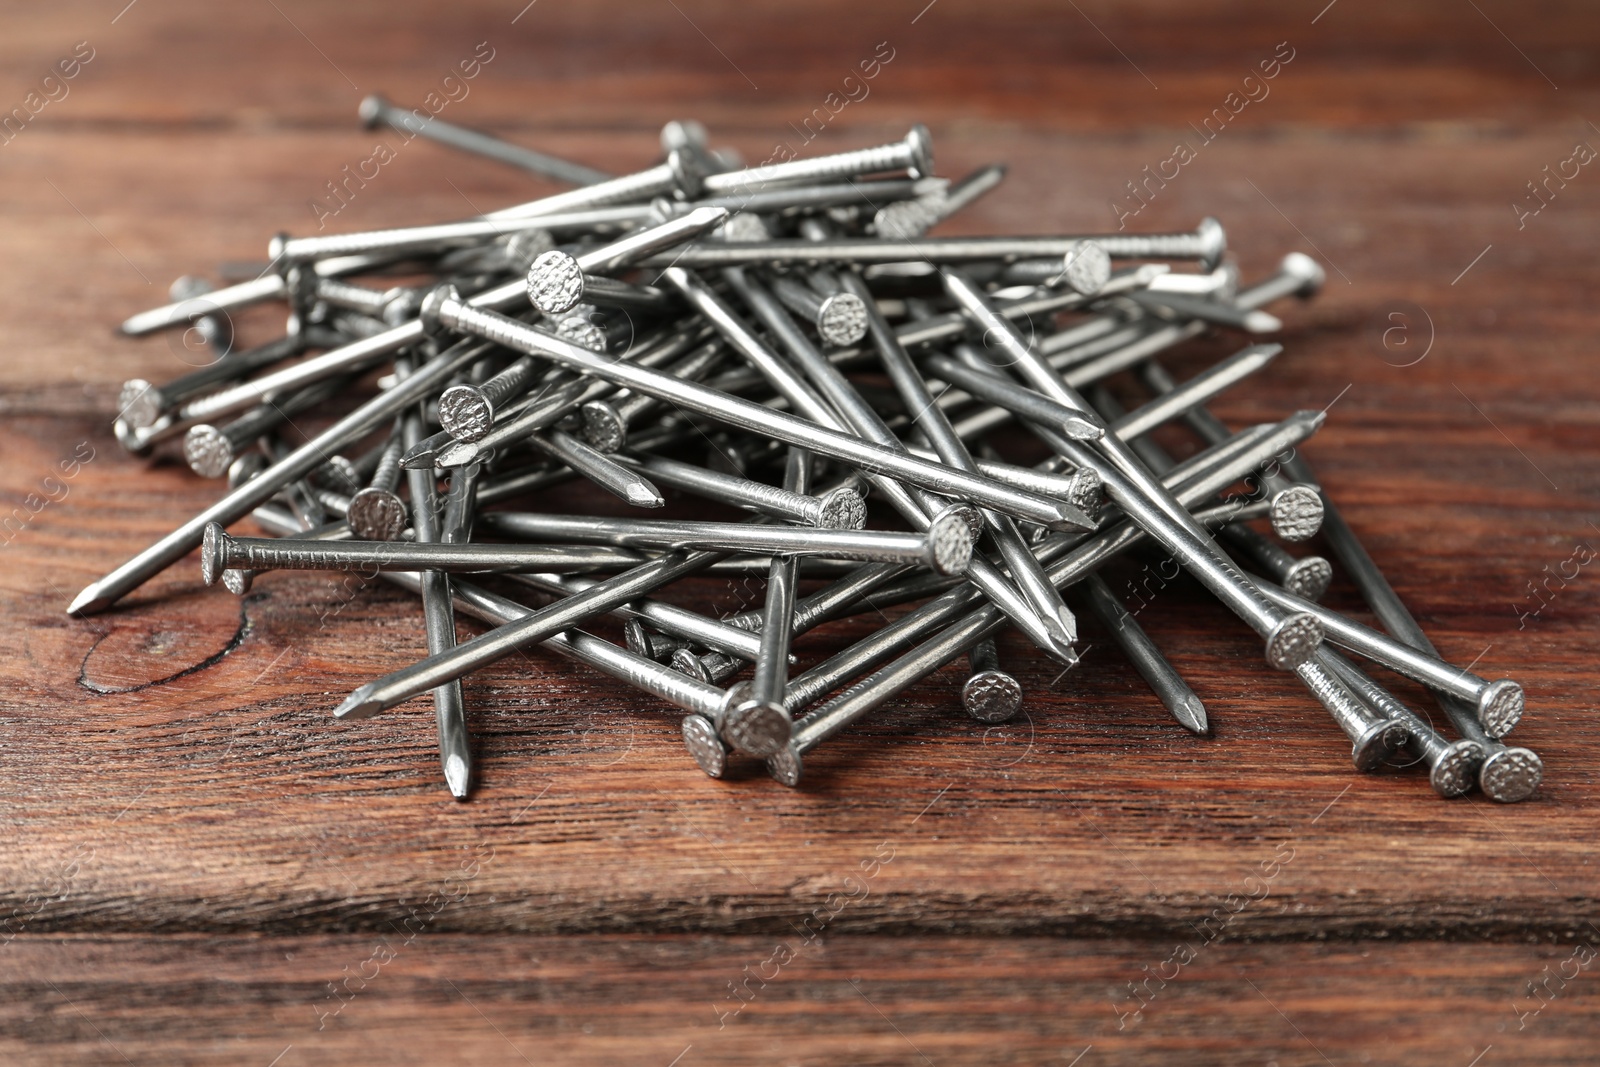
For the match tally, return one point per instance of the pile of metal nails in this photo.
(786, 340)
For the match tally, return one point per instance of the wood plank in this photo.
(1451, 498)
(193, 850)
(191, 753)
(714, 1000)
(609, 64)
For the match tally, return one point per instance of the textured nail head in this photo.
(580, 331)
(1456, 771)
(684, 661)
(1296, 513)
(708, 750)
(843, 509)
(465, 413)
(377, 515)
(1500, 707)
(207, 451)
(842, 320)
(950, 541)
(139, 403)
(904, 219)
(757, 728)
(1086, 267)
(1511, 774)
(1213, 242)
(213, 553)
(1293, 641)
(642, 641)
(603, 426)
(1309, 577)
(1377, 744)
(991, 696)
(555, 282)
(745, 226)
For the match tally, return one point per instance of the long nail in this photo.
(840, 509)
(452, 313)
(1291, 636)
(1453, 766)
(989, 693)
(850, 409)
(101, 594)
(1305, 576)
(945, 547)
(439, 623)
(1167, 684)
(759, 724)
(408, 682)
(375, 110)
(1508, 773)
(222, 552)
(704, 702)
(1205, 245)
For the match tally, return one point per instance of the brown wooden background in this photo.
(193, 851)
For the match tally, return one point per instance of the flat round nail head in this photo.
(1293, 641)
(709, 753)
(991, 696)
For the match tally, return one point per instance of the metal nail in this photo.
(945, 547)
(468, 656)
(840, 509)
(1507, 773)
(1374, 736)
(759, 724)
(377, 513)
(1452, 765)
(1206, 245)
(439, 623)
(1291, 636)
(1305, 576)
(989, 693)
(451, 313)
(839, 318)
(914, 155)
(1167, 684)
(375, 110)
(914, 217)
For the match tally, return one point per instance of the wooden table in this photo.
(201, 867)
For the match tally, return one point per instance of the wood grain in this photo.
(186, 999)
(194, 848)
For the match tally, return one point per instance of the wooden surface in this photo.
(194, 851)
